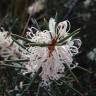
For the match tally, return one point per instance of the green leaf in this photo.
(31, 82)
(28, 41)
(84, 69)
(19, 44)
(34, 21)
(56, 17)
(72, 88)
(16, 61)
(38, 44)
(12, 66)
(22, 38)
(44, 44)
(70, 35)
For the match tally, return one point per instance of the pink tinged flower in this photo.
(9, 50)
(52, 57)
(62, 27)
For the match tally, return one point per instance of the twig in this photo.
(26, 25)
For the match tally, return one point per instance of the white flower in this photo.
(51, 58)
(36, 7)
(52, 25)
(8, 51)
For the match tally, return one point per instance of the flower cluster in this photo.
(51, 51)
(56, 54)
(8, 49)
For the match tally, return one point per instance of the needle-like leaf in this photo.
(31, 82)
(70, 35)
(16, 61)
(22, 38)
(84, 69)
(72, 88)
(12, 66)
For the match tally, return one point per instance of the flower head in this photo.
(8, 49)
(53, 57)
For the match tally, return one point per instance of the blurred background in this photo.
(81, 13)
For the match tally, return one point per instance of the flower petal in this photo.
(52, 25)
(63, 27)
